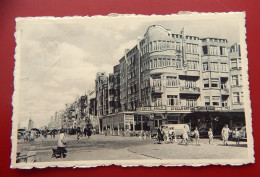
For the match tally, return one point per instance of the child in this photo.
(237, 134)
(197, 136)
(210, 134)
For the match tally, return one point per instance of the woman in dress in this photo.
(225, 134)
(184, 136)
(210, 134)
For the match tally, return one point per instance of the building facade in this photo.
(172, 78)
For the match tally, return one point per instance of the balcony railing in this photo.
(224, 91)
(189, 90)
(157, 89)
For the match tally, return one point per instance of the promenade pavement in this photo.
(100, 147)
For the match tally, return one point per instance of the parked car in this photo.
(242, 133)
(177, 128)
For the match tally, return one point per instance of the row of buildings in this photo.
(74, 115)
(166, 78)
(172, 78)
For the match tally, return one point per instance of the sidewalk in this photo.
(204, 151)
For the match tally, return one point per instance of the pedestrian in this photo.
(106, 132)
(159, 135)
(210, 134)
(85, 131)
(78, 133)
(174, 136)
(167, 136)
(142, 134)
(225, 134)
(62, 144)
(237, 135)
(197, 136)
(53, 133)
(184, 136)
(89, 132)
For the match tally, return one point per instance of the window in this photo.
(205, 50)
(215, 100)
(223, 84)
(190, 84)
(207, 100)
(223, 51)
(159, 62)
(151, 64)
(173, 62)
(223, 67)
(178, 47)
(213, 50)
(205, 66)
(224, 103)
(164, 62)
(206, 83)
(235, 80)
(191, 101)
(188, 48)
(158, 102)
(172, 100)
(154, 45)
(168, 62)
(236, 98)
(214, 66)
(155, 63)
(157, 82)
(215, 83)
(234, 64)
(192, 65)
(178, 64)
(171, 81)
(194, 48)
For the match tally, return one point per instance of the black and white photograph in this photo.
(131, 90)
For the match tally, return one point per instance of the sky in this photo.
(60, 57)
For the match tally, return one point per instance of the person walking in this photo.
(159, 135)
(237, 135)
(184, 136)
(53, 133)
(225, 134)
(78, 133)
(197, 136)
(62, 144)
(210, 134)
(89, 132)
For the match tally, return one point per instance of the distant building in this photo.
(30, 124)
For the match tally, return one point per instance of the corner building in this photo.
(173, 78)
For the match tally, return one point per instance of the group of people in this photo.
(170, 136)
(86, 131)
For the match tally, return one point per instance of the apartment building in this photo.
(172, 78)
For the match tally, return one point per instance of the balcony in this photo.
(224, 91)
(157, 89)
(194, 90)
